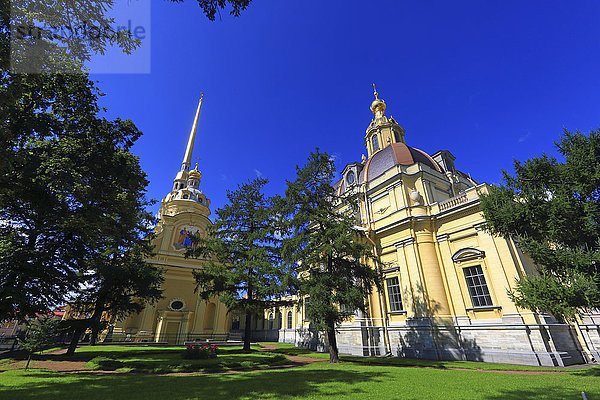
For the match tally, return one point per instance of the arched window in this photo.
(375, 142)
(289, 320)
(271, 321)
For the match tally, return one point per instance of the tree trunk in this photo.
(95, 322)
(248, 327)
(74, 340)
(333, 350)
(247, 331)
(28, 360)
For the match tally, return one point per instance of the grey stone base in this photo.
(549, 344)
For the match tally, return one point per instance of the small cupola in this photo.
(382, 131)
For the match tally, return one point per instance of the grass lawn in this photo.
(159, 360)
(315, 381)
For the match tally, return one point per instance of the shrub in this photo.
(200, 351)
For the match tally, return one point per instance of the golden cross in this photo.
(375, 90)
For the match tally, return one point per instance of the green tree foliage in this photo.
(243, 264)
(72, 200)
(551, 209)
(212, 7)
(41, 335)
(331, 252)
(59, 36)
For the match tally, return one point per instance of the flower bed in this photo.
(200, 351)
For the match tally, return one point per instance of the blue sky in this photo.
(489, 81)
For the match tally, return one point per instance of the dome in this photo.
(378, 104)
(195, 173)
(392, 155)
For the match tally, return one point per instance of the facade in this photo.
(181, 315)
(446, 280)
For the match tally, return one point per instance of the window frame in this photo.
(484, 290)
(398, 295)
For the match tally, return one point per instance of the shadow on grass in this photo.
(299, 351)
(270, 384)
(594, 371)
(548, 392)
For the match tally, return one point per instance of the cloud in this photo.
(524, 137)
(258, 173)
(223, 177)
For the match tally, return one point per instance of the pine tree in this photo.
(41, 335)
(331, 252)
(551, 209)
(243, 264)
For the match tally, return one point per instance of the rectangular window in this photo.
(395, 298)
(306, 304)
(480, 296)
(346, 309)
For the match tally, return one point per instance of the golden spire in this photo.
(187, 159)
(378, 105)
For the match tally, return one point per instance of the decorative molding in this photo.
(391, 269)
(173, 300)
(467, 253)
(405, 242)
(480, 226)
(443, 237)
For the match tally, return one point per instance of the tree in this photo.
(60, 36)
(72, 201)
(212, 7)
(41, 335)
(330, 250)
(243, 263)
(551, 209)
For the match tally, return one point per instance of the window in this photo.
(176, 305)
(397, 137)
(346, 309)
(395, 298)
(271, 321)
(350, 177)
(306, 304)
(279, 320)
(480, 296)
(375, 142)
(289, 320)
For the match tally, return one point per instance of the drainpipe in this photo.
(382, 308)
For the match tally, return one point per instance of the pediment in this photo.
(467, 253)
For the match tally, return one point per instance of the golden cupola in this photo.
(382, 131)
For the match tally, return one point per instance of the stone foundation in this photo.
(507, 342)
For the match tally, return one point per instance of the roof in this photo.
(392, 155)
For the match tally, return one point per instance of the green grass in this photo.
(160, 360)
(316, 381)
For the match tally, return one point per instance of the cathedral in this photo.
(446, 280)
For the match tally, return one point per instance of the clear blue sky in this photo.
(489, 81)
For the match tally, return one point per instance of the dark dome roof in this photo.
(395, 154)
